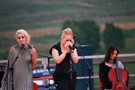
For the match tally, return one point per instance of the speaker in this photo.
(81, 67)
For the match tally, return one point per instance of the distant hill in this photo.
(43, 19)
(36, 14)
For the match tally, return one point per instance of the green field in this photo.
(35, 14)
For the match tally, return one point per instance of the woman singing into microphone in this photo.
(61, 55)
(22, 68)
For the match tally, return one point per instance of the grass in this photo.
(35, 14)
(129, 46)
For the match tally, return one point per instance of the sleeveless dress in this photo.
(22, 72)
(61, 75)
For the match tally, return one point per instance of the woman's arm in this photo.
(33, 58)
(102, 76)
(74, 56)
(58, 58)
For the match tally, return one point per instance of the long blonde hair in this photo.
(22, 31)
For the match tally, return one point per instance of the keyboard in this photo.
(47, 73)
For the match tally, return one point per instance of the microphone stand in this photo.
(71, 48)
(71, 70)
(48, 65)
(71, 64)
(12, 68)
(89, 68)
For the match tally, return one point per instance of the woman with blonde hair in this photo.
(22, 78)
(61, 55)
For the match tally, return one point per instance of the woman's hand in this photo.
(68, 45)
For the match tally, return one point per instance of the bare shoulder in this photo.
(11, 49)
(33, 50)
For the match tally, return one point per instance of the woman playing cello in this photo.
(107, 65)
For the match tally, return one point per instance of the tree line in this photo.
(89, 33)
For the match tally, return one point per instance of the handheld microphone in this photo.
(75, 36)
(69, 46)
(73, 44)
(73, 47)
(22, 45)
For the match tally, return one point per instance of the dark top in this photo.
(61, 74)
(64, 65)
(103, 75)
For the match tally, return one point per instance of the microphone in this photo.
(70, 47)
(75, 36)
(73, 47)
(73, 44)
(22, 45)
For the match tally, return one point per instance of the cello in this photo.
(118, 77)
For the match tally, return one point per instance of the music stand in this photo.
(48, 65)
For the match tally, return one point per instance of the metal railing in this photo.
(45, 62)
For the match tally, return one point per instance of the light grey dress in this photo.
(22, 73)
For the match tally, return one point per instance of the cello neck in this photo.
(117, 69)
